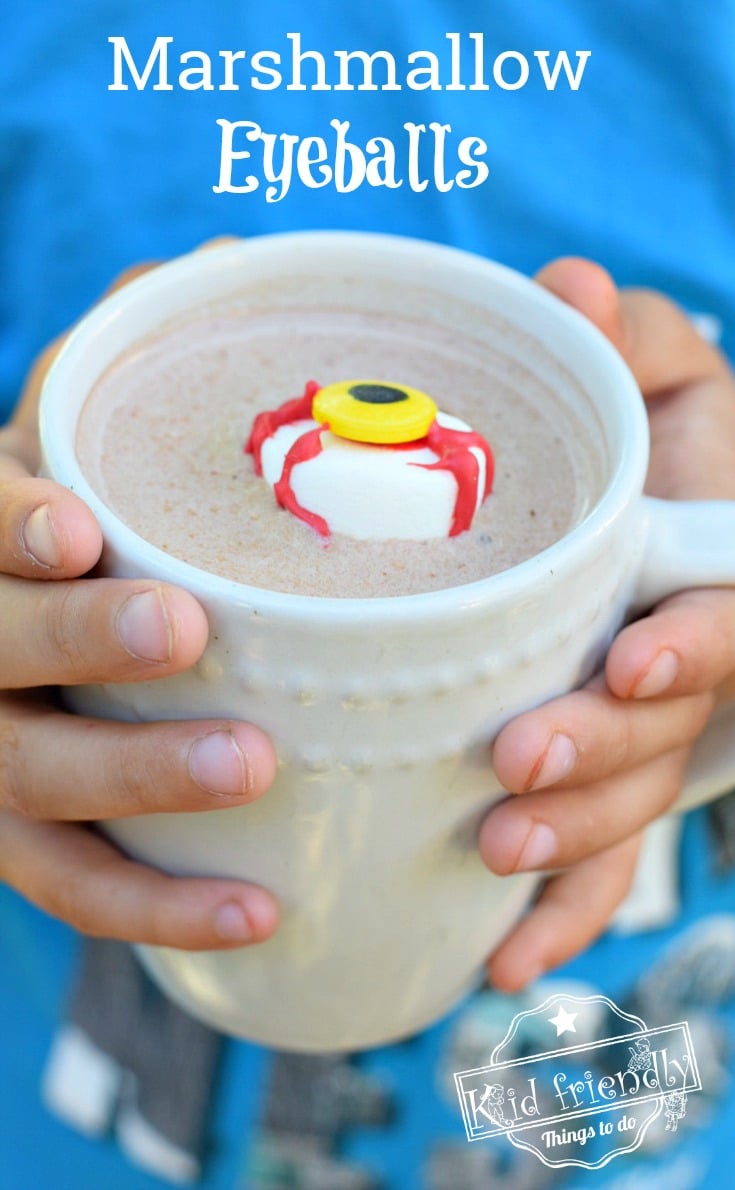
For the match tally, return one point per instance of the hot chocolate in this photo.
(161, 440)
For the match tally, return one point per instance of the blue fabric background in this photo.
(636, 169)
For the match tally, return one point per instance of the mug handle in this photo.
(686, 543)
(691, 543)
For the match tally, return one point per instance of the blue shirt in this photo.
(634, 168)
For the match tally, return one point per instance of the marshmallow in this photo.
(421, 487)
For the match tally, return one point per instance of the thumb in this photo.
(657, 340)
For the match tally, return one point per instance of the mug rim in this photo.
(624, 483)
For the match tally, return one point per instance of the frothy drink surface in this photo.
(161, 441)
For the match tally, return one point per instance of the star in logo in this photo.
(564, 1021)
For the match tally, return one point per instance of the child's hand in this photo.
(58, 771)
(598, 765)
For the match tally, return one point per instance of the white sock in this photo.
(150, 1149)
(80, 1083)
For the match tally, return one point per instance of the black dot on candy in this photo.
(377, 394)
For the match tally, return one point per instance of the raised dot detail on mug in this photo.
(210, 667)
(361, 762)
(303, 686)
(453, 746)
(442, 680)
(526, 655)
(410, 756)
(318, 761)
(356, 692)
(484, 668)
(251, 679)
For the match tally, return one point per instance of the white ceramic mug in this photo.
(381, 710)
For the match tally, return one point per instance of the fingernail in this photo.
(144, 627)
(540, 847)
(231, 923)
(218, 764)
(555, 763)
(39, 538)
(660, 674)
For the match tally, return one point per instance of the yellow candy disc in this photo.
(374, 411)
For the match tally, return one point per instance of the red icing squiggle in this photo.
(266, 424)
(307, 447)
(452, 446)
(453, 449)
